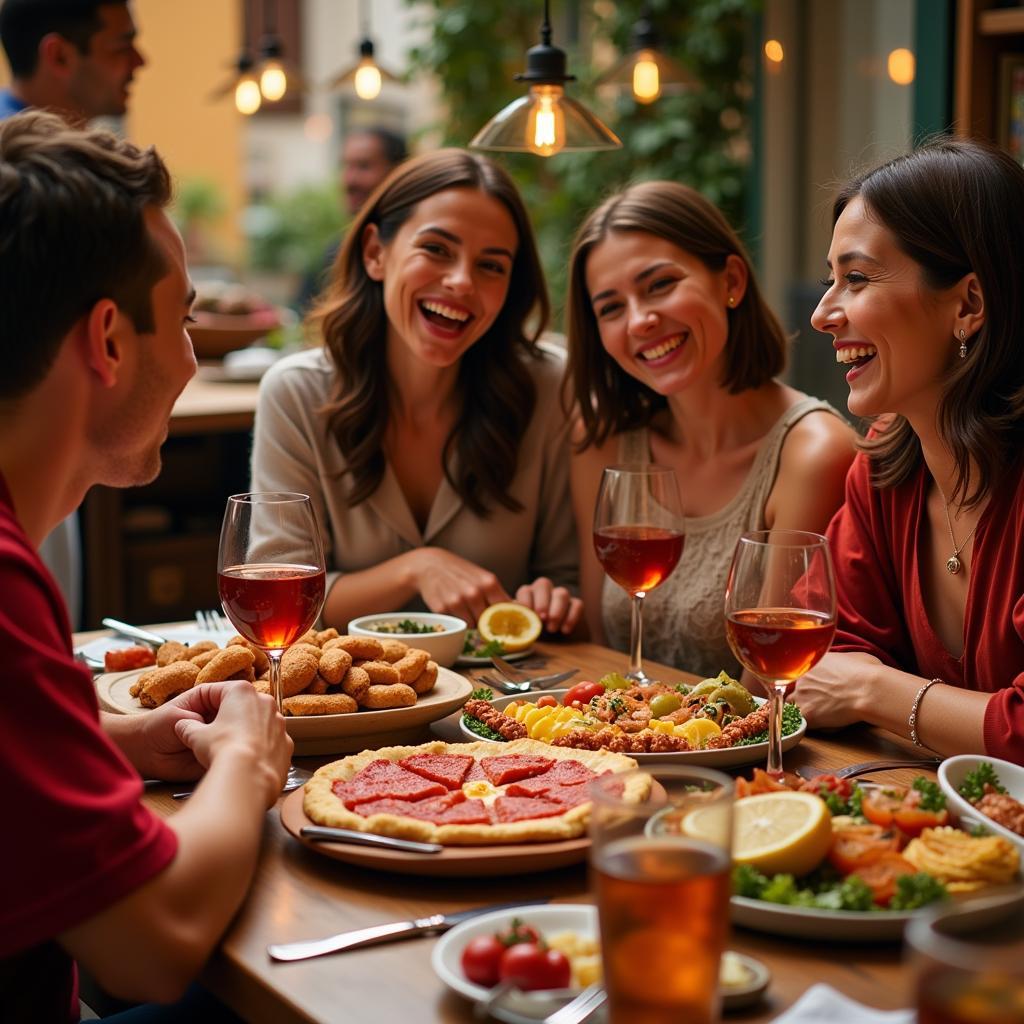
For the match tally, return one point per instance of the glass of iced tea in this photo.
(270, 571)
(780, 614)
(969, 963)
(660, 873)
(638, 538)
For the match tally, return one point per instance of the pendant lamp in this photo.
(366, 76)
(545, 121)
(645, 70)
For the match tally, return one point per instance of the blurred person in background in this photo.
(95, 300)
(674, 358)
(74, 57)
(427, 427)
(368, 156)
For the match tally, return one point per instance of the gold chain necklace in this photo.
(953, 563)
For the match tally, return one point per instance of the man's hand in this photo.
(454, 585)
(557, 608)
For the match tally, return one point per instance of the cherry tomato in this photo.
(857, 845)
(518, 932)
(822, 785)
(582, 694)
(881, 803)
(547, 701)
(899, 807)
(529, 967)
(481, 960)
(881, 874)
(121, 659)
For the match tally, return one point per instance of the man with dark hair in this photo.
(75, 57)
(94, 302)
(368, 156)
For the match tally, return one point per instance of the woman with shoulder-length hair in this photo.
(427, 429)
(927, 316)
(673, 359)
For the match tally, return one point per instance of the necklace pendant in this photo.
(953, 565)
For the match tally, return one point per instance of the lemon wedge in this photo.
(514, 626)
(781, 832)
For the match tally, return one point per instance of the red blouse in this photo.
(875, 541)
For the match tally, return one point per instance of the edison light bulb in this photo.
(646, 79)
(368, 80)
(247, 95)
(273, 81)
(545, 127)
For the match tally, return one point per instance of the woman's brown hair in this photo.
(955, 206)
(496, 390)
(609, 399)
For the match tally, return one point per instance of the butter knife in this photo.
(134, 633)
(433, 925)
(348, 835)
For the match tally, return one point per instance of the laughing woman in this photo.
(673, 355)
(925, 309)
(427, 429)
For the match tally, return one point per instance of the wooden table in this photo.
(299, 894)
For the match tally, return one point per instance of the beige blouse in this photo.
(293, 452)
(683, 619)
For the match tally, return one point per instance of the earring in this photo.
(963, 343)
(732, 301)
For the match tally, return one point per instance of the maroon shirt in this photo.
(75, 837)
(876, 545)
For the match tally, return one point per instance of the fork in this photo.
(537, 682)
(867, 767)
(211, 621)
(580, 1008)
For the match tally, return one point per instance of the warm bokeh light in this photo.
(545, 127)
(273, 81)
(901, 66)
(646, 78)
(247, 95)
(368, 80)
(774, 52)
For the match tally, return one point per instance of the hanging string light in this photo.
(367, 76)
(645, 70)
(545, 121)
(273, 76)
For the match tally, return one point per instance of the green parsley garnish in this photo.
(972, 788)
(482, 693)
(932, 798)
(791, 719)
(483, 731)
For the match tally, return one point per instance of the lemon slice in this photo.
(781, 832)
(514, 626)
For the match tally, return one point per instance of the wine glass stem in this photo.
(636, 668)
(275, 678)
(776, 701)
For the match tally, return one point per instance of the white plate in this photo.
(525, 1008)
(327, 734)
(184, 634)
(728, 757)
(515, 1008)
(855, 925)
(951, 776)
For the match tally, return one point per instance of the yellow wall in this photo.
(189, 46)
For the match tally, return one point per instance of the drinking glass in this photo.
(270, 575)
(968, 963)
(660, 872)
(638, 538)
(780, 614)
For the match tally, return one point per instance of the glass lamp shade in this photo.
(545, 122)
(647, 74)
(247, 95)
(367, 78)
(273, 81)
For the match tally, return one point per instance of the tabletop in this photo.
(300, 894)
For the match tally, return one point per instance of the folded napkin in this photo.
(821, 1003)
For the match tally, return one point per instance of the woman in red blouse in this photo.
(926, 311)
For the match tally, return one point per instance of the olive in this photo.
(665, 704)
(614, 681)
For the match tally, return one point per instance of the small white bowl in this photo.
(951, 776)
(444, 646)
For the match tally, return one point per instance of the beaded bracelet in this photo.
(912, 720)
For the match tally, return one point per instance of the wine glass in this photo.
(638, 538)
(270, 575)
(780, 614)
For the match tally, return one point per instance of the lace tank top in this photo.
(683, 621)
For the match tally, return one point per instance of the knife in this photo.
(433, 925)
(134, 633)
(348, 835)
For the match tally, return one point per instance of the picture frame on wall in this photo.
(1011, 105)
